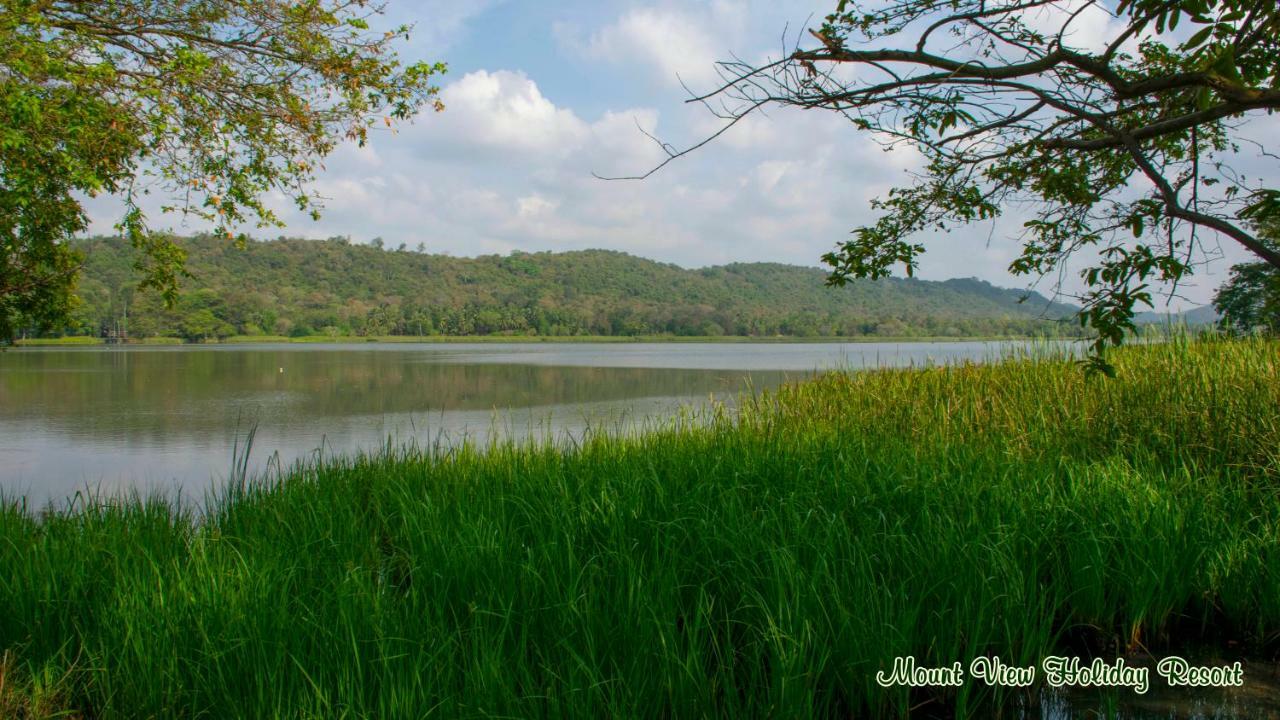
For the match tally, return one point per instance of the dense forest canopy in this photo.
(305, 287)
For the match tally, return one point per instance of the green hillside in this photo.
(305, 287)
(1203, 315)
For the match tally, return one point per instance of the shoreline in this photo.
(81, 341)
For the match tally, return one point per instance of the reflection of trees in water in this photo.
(157, 394)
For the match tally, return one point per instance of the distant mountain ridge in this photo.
(303, 287)
(1203, 315)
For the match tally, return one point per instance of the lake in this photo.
(169, 418)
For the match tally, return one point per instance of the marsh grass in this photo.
(759, 564)
(70, 340)
(41, 697)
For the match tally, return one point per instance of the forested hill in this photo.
(308, 287)
(1203, 315)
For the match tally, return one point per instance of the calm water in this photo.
(169, 417)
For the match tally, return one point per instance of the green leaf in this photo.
(1198, 39)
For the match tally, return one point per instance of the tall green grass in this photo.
(764, 564)
(70, 340)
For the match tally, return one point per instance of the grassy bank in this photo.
(764, 566)
(68, 341)
(84, 340)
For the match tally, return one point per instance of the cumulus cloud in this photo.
(676, 43)
(673, 44)
(1085, 25)
(504, 111)
(438, 25)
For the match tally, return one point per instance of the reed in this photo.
(760, 563)
(68, 341)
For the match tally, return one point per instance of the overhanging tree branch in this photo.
(1101, 139)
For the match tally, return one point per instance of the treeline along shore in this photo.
(765, 563)
(293, 288)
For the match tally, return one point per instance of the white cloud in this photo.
(506, 111)
(438, 25)
(678, 43)
(672, 42)
(1088, 24)
(619, 144)
(532, 206)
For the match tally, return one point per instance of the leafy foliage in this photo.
(1120, 149)
(305, 287)
(213, 102)
(1250, 299)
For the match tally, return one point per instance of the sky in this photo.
(540, 95)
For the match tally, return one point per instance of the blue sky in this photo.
(539, 95)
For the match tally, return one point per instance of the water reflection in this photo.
(168, 417)
(1257, 699)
